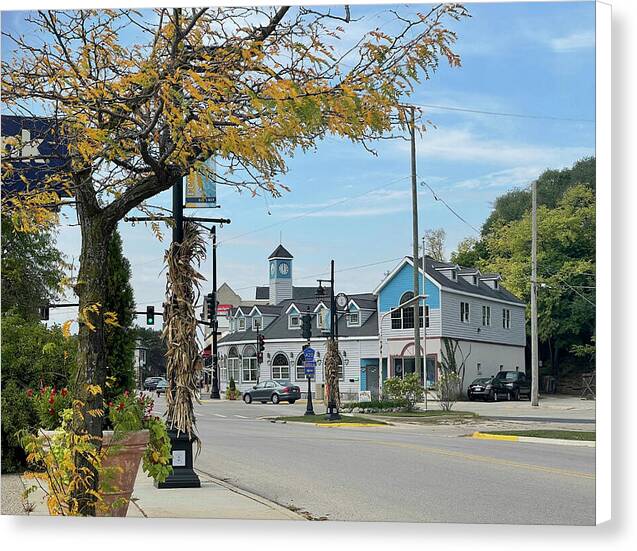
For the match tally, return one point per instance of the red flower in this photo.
(41, 390)
(51, 411)
(53, 391)
(110, 404)
(64, 392)
(30, 392)
(126, 393)
(121, 406)
(52, 399)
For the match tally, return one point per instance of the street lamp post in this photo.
(214, 391)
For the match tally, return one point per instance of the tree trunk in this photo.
(91, 357)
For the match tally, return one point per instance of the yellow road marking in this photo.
(487, 436)
(350, 425)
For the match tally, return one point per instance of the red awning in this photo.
(207, 352)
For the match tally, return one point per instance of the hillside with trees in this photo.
(566, 261)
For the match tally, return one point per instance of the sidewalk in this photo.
(215, 499)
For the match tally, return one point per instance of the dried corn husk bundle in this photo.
(183, 362)
(331, 373)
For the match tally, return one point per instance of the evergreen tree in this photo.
(120, 340)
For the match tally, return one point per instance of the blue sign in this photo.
(40, 151)
(309, 368)
(308, 354)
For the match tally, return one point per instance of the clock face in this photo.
(284, 268)
(341, 300)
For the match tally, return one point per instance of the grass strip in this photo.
(345, 419)
(588, 436)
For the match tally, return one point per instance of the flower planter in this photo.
(123, 458)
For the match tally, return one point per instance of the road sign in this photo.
(201, 188)
(308, 354)
(309, 368)
(39, 151)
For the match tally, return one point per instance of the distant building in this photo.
(484, 318)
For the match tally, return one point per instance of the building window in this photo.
(506, 318)
(242, 324)
(426, 315)
(234, 372)
(354, 319)
(249, 364)
(464, 312)
(257, 322)
(396, 319)
(280, 367)
(486, 315)
(294, 321)
(300, 369)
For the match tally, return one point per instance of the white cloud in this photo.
(508, 178)
(573, 41)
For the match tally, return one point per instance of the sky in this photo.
(531, 59)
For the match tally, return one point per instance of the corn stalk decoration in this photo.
(183, 362)
(331, 373)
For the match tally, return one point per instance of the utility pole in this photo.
(214, 392)
(424, 317)
(414, 206)
(534, 351)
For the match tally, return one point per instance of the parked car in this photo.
(516, 383)
(274, 391)
(487, 388)
(161, 387)
(150, 383)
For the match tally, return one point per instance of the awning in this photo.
(207, 352)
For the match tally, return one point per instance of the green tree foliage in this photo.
(32, 356)
(120, 338)
(566, 258)
(156, 350)
(435, 243)
(32, 270)
(407, 390)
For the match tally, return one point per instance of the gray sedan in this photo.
(271, 390)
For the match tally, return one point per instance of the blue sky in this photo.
(526, 58)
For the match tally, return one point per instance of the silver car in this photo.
(272, 391)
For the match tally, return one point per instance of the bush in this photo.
(18, 413)
(376, 404)
(447, 389)
(232, 392)
(408, 390)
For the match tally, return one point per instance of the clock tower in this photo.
(280, 262)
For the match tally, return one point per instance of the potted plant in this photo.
(232, 392)
(135, 436)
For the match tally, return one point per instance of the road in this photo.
(398, 473)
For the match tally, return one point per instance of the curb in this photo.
(350, 425)
(531, 439)
(272, 504)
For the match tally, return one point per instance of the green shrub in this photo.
(377, 404)
(409, 390)
(232, 392)
(18, 413)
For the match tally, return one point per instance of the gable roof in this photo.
(280, 252)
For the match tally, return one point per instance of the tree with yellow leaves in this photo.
(248, 86)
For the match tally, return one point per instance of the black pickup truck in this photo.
(516, 383)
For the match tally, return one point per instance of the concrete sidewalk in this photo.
(215, 499)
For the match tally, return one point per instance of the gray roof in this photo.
(278, 328)
(298, 293)
(461, 285)
(280, 252)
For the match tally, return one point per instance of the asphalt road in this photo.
(399, 473)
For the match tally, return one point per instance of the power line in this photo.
(311, 212)
(437, 198)
(502, 113)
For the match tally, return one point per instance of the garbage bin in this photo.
(319, 391)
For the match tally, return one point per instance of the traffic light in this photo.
(210, 308)
(306, 326)
(261, 343)
(150, 315)
(44, 312)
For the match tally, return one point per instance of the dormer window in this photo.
(242, 324)
(354, 319)
(294, 320)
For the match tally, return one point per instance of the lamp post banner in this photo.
(201, 188)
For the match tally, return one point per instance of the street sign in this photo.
(308, 354)
(201, 188)
(38, 152)
(309, 368)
